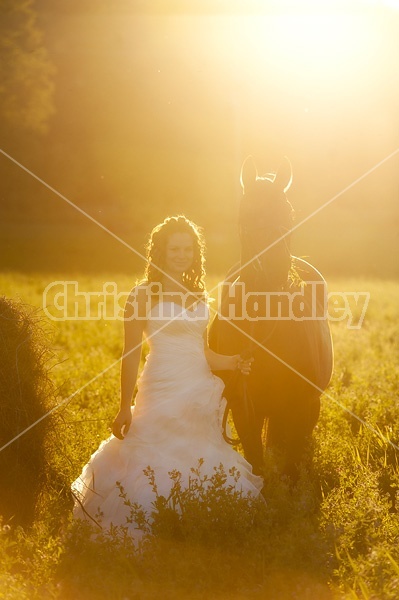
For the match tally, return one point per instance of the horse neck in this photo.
(257, 277)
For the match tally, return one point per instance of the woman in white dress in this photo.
(176, 420)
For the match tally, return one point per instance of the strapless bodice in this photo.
(172, 328)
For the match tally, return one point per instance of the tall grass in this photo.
(335, 535)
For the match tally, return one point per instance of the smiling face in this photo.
(175, 255)
(179, 254)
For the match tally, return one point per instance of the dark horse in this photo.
(273, 307)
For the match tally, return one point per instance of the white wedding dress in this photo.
(177, 420)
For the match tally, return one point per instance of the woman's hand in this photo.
(242, 365)
(122, 422)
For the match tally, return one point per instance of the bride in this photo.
(176, 420)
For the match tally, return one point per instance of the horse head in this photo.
(265, 219)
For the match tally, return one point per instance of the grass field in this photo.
(334, 536)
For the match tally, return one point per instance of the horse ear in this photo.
(248, 173)
(283, 178)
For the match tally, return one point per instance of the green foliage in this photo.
(26, 87)
(334, 535)
(204, 511)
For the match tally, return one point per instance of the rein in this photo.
(246, 398)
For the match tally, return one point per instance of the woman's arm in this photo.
(133, 339)
(222, 362)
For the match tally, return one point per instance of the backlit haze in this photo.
(156, 108)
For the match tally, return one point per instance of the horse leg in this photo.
(290, 429)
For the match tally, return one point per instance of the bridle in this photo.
(260, 278)
(245, 354)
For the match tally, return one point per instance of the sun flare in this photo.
(315, 43)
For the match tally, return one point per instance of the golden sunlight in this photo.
(315, 43)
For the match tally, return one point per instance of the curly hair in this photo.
(193, 279)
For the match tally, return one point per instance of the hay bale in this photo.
(26, 395)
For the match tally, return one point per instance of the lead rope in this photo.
(245, 354)
(246, 398)
(227, 438)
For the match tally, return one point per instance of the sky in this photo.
(158, 104)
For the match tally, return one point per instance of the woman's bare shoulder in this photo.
(136, 301)
(141, 299)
